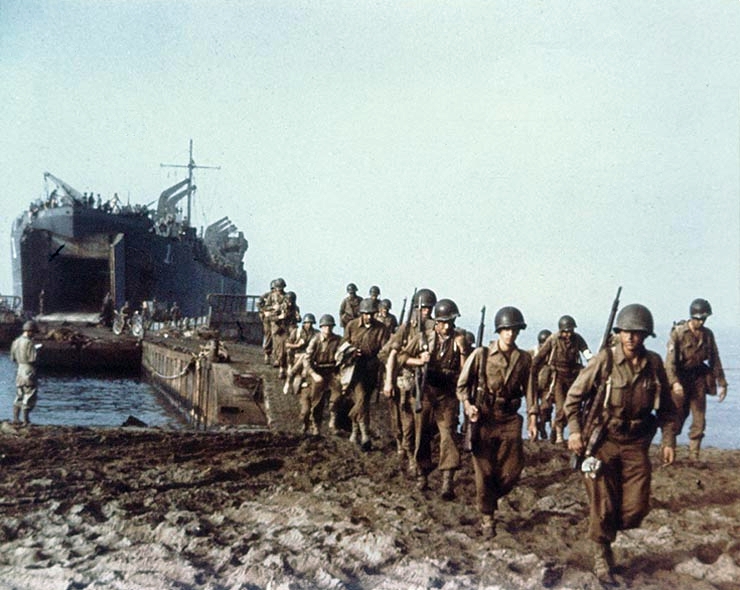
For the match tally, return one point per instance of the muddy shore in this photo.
(150, 508)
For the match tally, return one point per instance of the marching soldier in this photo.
(561, 351)
(265, 314)
(637, 402)
(694, 371)
(320, 367)
(491, 386)
(438, 359)
(385, 315)
(296, 347)
(366, 335)
(544, 385)
(398, 384)
(350, 306)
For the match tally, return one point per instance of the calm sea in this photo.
(95, 401)
(68, 400)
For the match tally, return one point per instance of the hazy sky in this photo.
(538, 154)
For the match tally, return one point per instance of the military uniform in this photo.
(693, 361)
(638, 402)
(23, 353)
(498, 454)
(563, 358)
(349, 309)
(400, 384)
(320, 368)
(368, 340)
(439, 405)
(296, 346)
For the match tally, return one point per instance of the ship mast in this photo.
(191, 165)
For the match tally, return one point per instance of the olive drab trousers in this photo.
(620, 493)
(498, 460)
(439, 413)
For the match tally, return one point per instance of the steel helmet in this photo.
(700, 309)
(425, 298)
(635, 318)
(327, 320)
(368, 305)
(543, 336)
(509, 317)
(272, 284)
(567, 323)
(291, 296)
(374, 290)
(309, 318)
(279, 283)
(386, 303)
(351, 288)
(446, 310)
(30, 326)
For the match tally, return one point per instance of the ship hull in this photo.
(65, 259)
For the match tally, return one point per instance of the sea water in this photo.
(69, 400)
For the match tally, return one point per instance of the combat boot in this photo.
(559, 435)
(448, 486)
(353, 438)
(16, 415)
(333, 422)
(694, 446)
(604, 563)
(487, 526)
(365, 443)
(542, 430)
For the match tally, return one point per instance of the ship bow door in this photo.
(118, 270)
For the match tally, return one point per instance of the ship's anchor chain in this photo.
(185, 369)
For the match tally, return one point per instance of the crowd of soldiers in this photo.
(432, 373)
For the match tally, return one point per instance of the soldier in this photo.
(374, 293)
(350, 306)
(694, 371)
(288, 318)
(561, 351)
(265, 314)
(440, 359)
(23, 353)
(491, 386)
(275, 310)
(544, 385)
(366, 335)
(320, 366)
(619, 472)
(398, 384)
(385, 315)
(295, 346)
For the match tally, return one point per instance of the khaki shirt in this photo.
(634, 395)
(349, 309)
(445, 362)
(23, 353)
(367, 339)
(565, 355)
(320, 352)
(507, 380)
(693, 354)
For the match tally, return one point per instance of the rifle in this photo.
(472, 429)
(592, 408)
(403, 311)
(421, 372)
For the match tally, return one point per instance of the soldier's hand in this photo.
(532, 427)
(669, 455)
(722, 393)
(575, 443)
(425, 356)
(316, 377)
(471, 411)
(677, 389)
(387, 391)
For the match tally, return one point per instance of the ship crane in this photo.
(68, 190)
